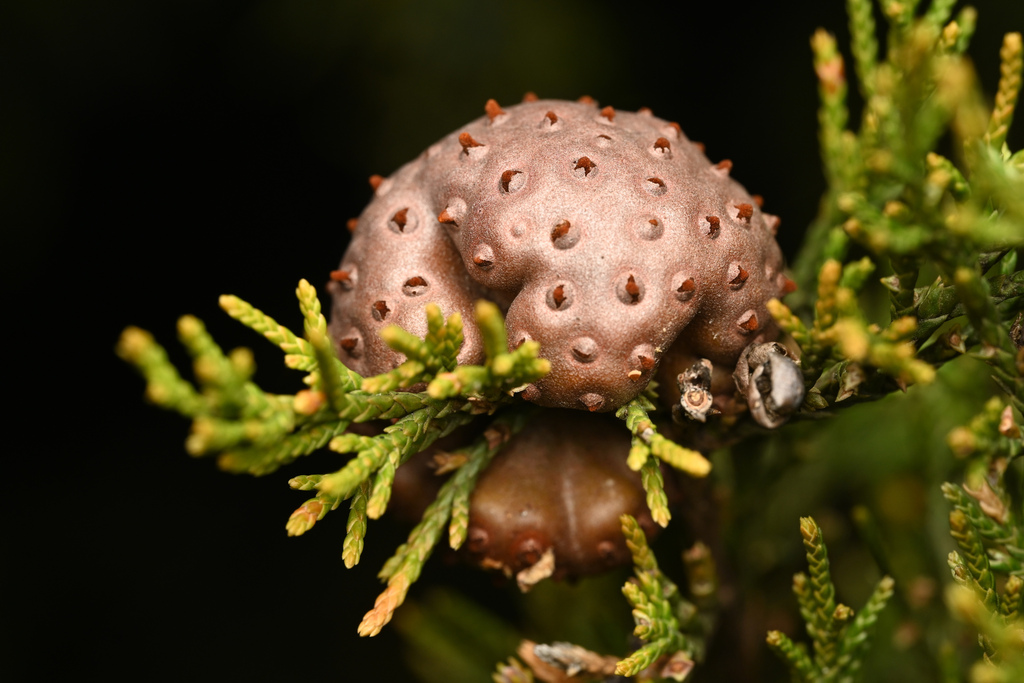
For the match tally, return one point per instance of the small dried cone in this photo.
(608, 113)
(375, 181)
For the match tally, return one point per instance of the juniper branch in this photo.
(822, 593)
(355, 529)
(856, 640)
(656, 604)
(260, 322)
(164, 386)
(647, 441)
(1012, 64)
(801, 668)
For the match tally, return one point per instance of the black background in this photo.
(156, 154)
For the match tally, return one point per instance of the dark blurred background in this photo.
(155, 154)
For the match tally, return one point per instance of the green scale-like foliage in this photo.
(838, 637)
(249, 430)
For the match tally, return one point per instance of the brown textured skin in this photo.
(607, 237)
(561, 483)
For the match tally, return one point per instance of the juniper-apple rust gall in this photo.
(559, 487)
(606, 236)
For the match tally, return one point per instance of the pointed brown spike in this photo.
(587, 99)
(586, 164)
(645, 111)
(608, 113)
(341, 276)
(561, 229)
(380, 310)
(467, 141)
(558, 294)
(349, 343)
(687, 286)
(632, 289)
(699, 146)
(788, 286)
(375, 181)
(662, 145)
(656, 186)
(506, 180)
(737, 275)
(401, 218)
(646, 362)
(592, 401)
(678, 130)
(444, 217)
(529, 96)
(748, 321)
(744, 212)
(551, 117)
(351, 224)
(493, 109)
(714, 225)
(724, 165)
(759, 200)
(415, 281)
